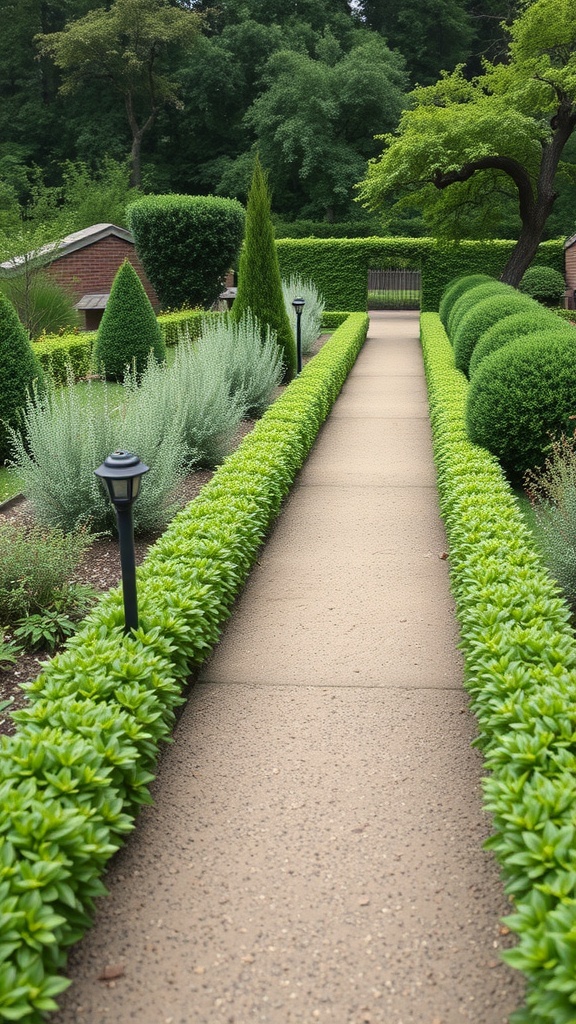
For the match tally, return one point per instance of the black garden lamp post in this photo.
(298, 307)
(122, 473)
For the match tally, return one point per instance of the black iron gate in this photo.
(394, 289)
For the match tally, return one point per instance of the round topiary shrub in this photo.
(518, 325)
(186, 244)
(481, 317)
(19, 369)
(129, 329)
(455, 288)
(544, 284)
(471, 296)
(521, 396)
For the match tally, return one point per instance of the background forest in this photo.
(98, 99)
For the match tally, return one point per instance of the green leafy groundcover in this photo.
(77, 770)
(520, 656)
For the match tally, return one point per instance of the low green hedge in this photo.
(77, 770)
(58, 353)
(333, 319)
(520, 658)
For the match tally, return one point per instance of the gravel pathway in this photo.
(315, 848)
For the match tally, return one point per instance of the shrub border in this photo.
(520, 670)
(74, 775)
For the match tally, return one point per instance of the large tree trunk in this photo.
(138, 133)
(527, 245)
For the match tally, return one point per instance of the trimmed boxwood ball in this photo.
(19, 369)
(481, 318)
(455, 288)
(464, 304)
(521, 396)
(544, 284)
(518, 325)
(128, 330)
(186, 244)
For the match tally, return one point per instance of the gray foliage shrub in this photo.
(454, 289)
(481, 318)
(465, 303)
(250, 357)
(522, 396)
(68, 432)
(552, 493)
(518, 325)
(311, 317)
(198, 393)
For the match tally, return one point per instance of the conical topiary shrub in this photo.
(129, 330)
(19, 368)
(259, 282)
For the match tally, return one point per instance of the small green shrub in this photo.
(36, 565)
(259, 283)
(128, 331)
(43, 306)
(468, 300)
(51, 626)
(552, 492)
(481, 318)
(19, 369)
(455, 288)
(544, 284)
(312, 313)
(517, 325)
(522, 396)
(186, 244)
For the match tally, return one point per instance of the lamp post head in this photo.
(122, 473)
(298, 306)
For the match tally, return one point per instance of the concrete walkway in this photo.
(315, 850)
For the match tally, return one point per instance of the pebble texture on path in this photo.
(315, 848)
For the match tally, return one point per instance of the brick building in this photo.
(85, 264)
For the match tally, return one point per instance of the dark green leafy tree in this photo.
(315, 122)
(129, 331)
(186, 244)
(432, 35)
(506, 129)
(128, 47)
(19, 369)
(259, 282)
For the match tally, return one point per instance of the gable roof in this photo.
(71, 243)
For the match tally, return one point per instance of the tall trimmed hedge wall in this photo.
(339, 266)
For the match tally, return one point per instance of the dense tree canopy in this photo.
(504, 131)
(190, 88)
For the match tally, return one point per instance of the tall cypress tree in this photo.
(259, 283)
(19, 368)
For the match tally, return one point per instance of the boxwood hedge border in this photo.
(79, 766)
(520, 670)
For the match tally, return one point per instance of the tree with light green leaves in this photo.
(503, 132)
(128, 47)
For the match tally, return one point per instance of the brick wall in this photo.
(91, 270)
